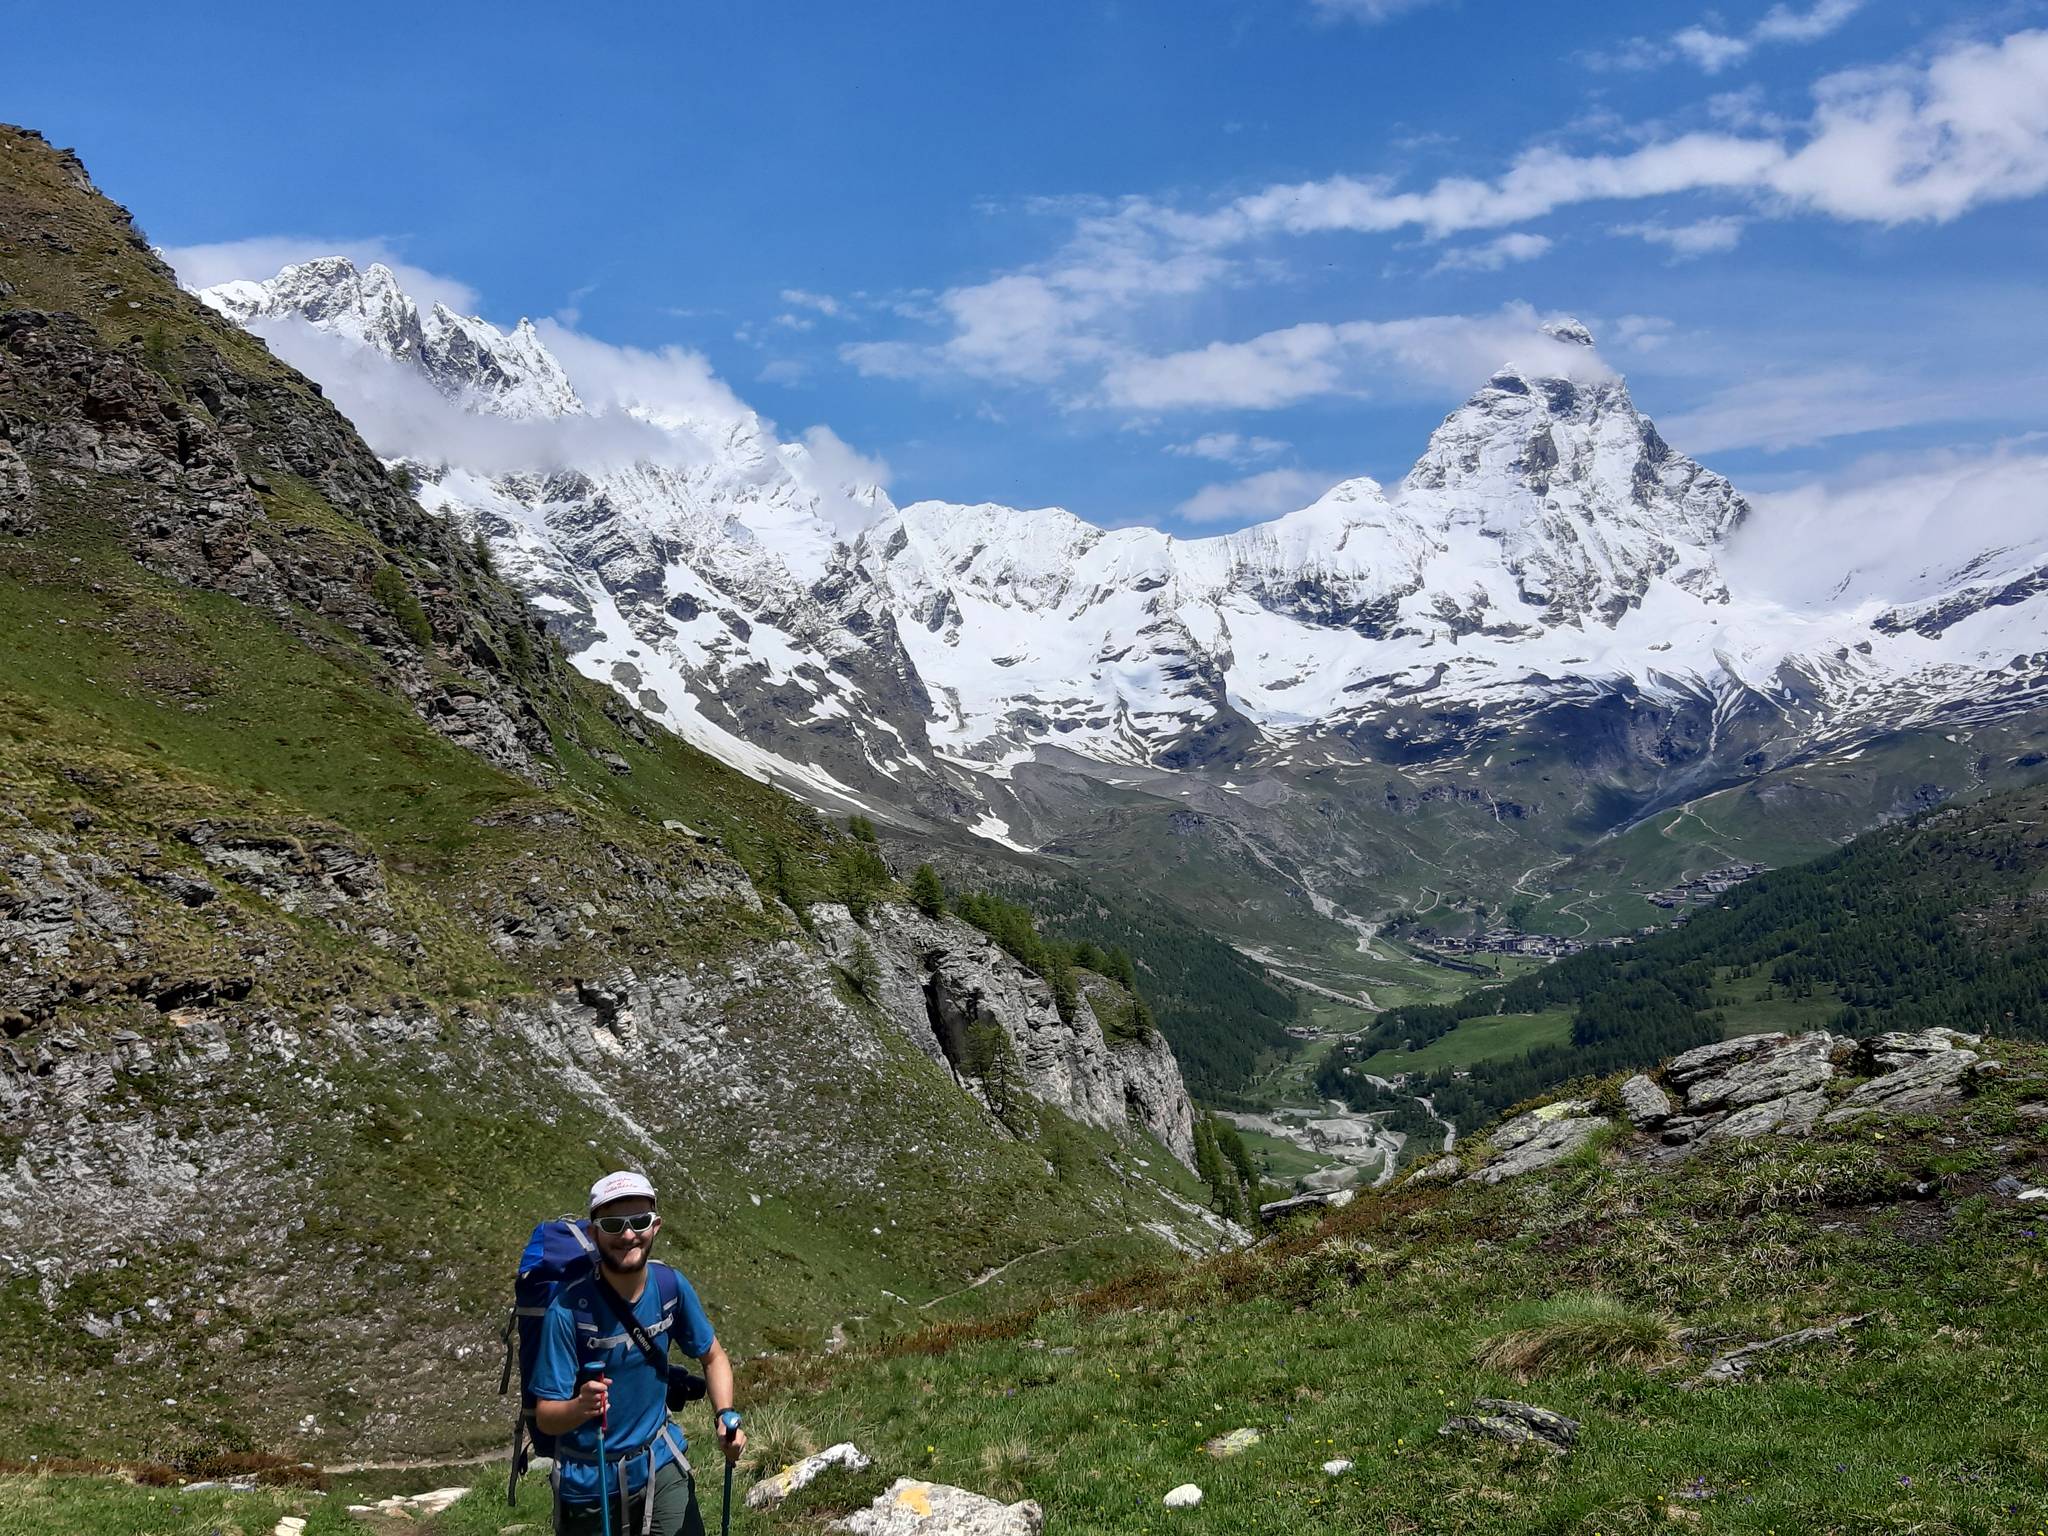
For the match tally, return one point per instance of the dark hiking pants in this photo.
(675, 1510)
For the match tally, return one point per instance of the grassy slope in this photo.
(1357, 1338)
(1478, 1040)
(132, 706)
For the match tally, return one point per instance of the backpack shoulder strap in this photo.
(622, 1314)
(669, 1286)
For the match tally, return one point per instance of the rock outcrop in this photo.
(939, 978)
(912, 1508)
(1776, 1083)
(1755, 1085)
(1916, 1073)
(801, 1474)
(1514, 1423)
(1539, 1138)
(1732, 1364)
(1646, 1105)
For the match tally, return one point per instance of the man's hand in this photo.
(594, 1397)
(731, 1441)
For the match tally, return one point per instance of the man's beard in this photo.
(637, 1259)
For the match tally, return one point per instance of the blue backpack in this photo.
(557, 1255)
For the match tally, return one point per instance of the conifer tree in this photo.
(928, 892)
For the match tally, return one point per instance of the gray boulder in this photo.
(801, 1474)
(1765, 1067)
(1446, 1167)
(912, 1508)
(1794, 1114)
(1315, 1200)
(1514, 1423)
(1647, 1105)
(1539, 1139)
(1709, 1060)
(1919, 1082)
(1900, 1048)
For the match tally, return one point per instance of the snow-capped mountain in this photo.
(1548, 548)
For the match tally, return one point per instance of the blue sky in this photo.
(1182, 262)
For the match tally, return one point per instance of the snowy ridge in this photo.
(1547, 546)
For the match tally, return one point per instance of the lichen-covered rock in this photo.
(1793, 1114)
(1927, 1071)
(912, 1508)
(1646, 1105)
(1539, 1139)
(1235, 1443)
(1759, 1068)
(1514, 1423)
(1898, 1048)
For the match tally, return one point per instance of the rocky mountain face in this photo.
(346, 930)
(1549, 589)
(952, 977)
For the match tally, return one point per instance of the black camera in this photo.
(684, 1388)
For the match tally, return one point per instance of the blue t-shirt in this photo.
(579, 1329)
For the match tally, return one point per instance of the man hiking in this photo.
(596, 1381)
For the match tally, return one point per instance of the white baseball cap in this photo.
(623, 1185)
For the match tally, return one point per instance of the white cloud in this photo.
(1891, 145)
(665, 383)
(1299, 362)
(836, 474)
(1268, 494)
(1494, 254)
(1786, 24)
(840, 462)
(794, 322)
(1714, 51)
(1907, 523)
(1371, 12)
(1699, 238)
(204, 266)
(1885, 146)
(1228, 448)
(1640, 333)
(1036, 326)
(803, 298)
(401, 415)
(1022, 327)
(1925, 143)
(1775, 412)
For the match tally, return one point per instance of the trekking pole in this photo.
(594, 1371)
(727, 1421)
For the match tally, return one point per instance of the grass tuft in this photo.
(776, 1438)
(1004, 1467)
(1578, 1332)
